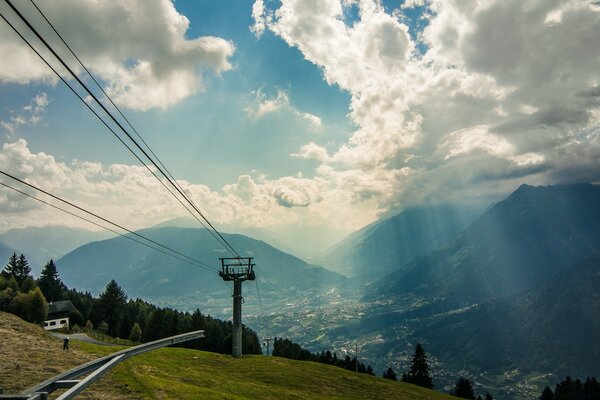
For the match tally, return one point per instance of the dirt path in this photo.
(81, 337)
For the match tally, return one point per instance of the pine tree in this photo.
(488, 397)
(463, 389)
(547, 394)
(389, 374)
(11, 267)
(419, 370)
(111, 303)
(50, 283)
(591, 387)
(23, 270)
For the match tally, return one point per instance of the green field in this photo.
(175, 373)
(31, 355)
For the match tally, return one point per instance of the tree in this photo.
(11, 267)
(50, 283)
(568, 389)
(39, 306)
(488, 397)
(136, 333)
(23, 270)
(463, 389)
(111, 303)
(389, 374)
(547, 394)
(21, 306)
(6, 297)
(591, 387)
(419, 370)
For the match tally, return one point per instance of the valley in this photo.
(508, 299)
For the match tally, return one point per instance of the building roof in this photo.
(60, 307)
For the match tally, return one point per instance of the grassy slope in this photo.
(174, 373)
(29, 355)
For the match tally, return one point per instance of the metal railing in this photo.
(95, 369)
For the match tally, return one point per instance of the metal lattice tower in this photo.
(238, 270)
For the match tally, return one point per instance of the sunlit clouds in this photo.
(144, 59)
(448, 100)
(501, 88)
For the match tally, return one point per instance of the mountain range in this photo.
(143, 272)
(40, 244)
(520, 242)
(552, 327)
(512, 288)
(386, 245)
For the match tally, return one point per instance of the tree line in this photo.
(288, 349)
(573, 389)
(111, 312)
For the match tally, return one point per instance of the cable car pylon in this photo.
(238, 270)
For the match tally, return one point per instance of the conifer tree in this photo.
(419, 370)
(547, 394)
(591, 388)
(463, 389)
(23, 270)
(389, 374)
(11, 267)
(488, 397)
(50, 283)
(111, 303)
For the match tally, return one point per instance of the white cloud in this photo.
(261, 106)
(500, 95)
(131, 196)
(144, 58)
(31, 116)
(258, 15)
(312, 151)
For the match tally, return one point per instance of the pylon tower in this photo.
(238, 270)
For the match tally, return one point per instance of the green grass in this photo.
(175, 373)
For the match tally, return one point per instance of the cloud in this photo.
(261, 106)
(499, 93)
(131, 196)
(145, 59)
(30, 116)
(258, 15)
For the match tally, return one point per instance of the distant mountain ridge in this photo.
(517, 290)
(144, 272)
(386, 245)
(552, 327)
(40, 244)
(520, 242)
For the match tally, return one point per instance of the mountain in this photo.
(144, 272)
(40, 244)
(521, 242)
(553, 327)
(384, 246)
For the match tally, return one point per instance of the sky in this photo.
(307, 119)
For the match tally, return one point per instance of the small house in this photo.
(58, 315)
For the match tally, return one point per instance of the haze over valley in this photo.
(399, 171)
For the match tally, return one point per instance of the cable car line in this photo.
(214, 231)
(190, 259)
(105, 94)
(99, 225)
(101, 119)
